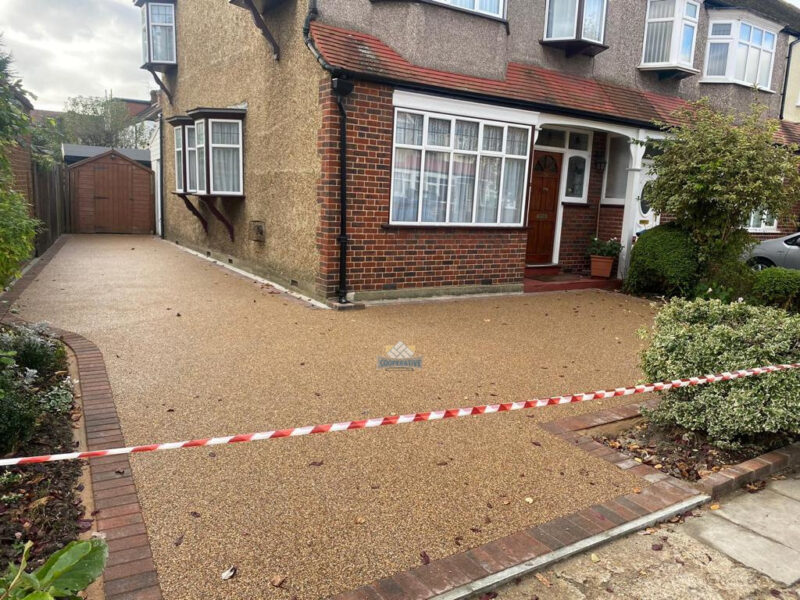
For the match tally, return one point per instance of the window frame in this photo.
(579, 13)
(605, 198)
(568, 153)
(210, 145)
(200, 124)
(173, 26)
(485, 13)
(773, 228)
(179, 165)
(679, 20)
(733, 40)
(451, 149)
(187, 150)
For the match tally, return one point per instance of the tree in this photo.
(96, 121)
(17, 228)
(714, 170)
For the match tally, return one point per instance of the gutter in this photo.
(786, 76)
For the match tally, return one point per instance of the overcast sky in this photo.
(69, 48)
(65, 48)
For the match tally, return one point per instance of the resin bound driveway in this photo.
(194, 350)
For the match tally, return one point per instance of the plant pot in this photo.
(601, 266)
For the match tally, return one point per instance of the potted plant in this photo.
(603, 255)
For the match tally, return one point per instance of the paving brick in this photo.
(116, 533)
(130, 584)
(522, 547)
(116, 501)
(597, 518)
(134, 541)
(148, 593)
(366, 592)
(485, 560)
(123, 570)
(116, 511)
(440, 576)
(590, 527)
(121, 521)
(413, 587)
(542, 535)
(113, 492)
(609, 514)
(128, 555)
(122, 481)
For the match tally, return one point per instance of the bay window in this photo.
(670, 36)
(492, 8)
(178, 159)
(576, 146)
(740, 51)
(200, 156)
(158, 32)
(452, 170)
(578, 26)
(191, 159)
(226, 156)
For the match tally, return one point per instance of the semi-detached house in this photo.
(386, 148)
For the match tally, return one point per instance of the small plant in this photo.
(59, 399)
(777, 287)
(67, 572)
(9, 478)
(664, 262)
(34, 349)
(598, 247)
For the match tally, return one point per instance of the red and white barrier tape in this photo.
(412, 418)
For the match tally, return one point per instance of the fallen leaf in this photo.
(360, 520)
(120, 471)
(637, 490)
(475, 529)
(277, 581)
(426, 560)
(595, 558)
(537, 444)
(529, 500)
(194, 514)
(178, 540)
(40, 502)
(657, 547)
(316, 463)
(714, 507)
(229, 573)
(543, 580)
(756, 486)
(775, 593)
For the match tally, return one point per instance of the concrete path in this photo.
(193, 350)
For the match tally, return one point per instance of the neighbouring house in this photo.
(367, 149)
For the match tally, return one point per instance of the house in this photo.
(368, 149)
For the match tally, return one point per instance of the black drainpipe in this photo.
(342, 88)
(786, 77)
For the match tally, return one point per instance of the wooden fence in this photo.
(50, 204)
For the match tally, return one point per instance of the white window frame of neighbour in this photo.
(150, 58)
(763, 227)
(680, 20)
(475, 7)
(575, 34)
(202, 185)
(180, 175)
(734, 41)
(211, 146)
(451, 150)
(614, 200)
(568, 153)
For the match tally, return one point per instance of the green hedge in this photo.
(709, 336)
(778, 287)
(664, 261)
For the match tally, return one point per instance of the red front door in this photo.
(543, 208)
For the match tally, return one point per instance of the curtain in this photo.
(467, 135)
(492, 138)
(517, 143)
(409, 129)
(191, 159)
(662, 9)
(717, 59)
(463, 194)
(488, 189)
(491, 6)
(405, 199)
(464, 3)
(163, 38)
(439, 132)
(434, 191)
(561, 18)
(225, 166)
(513, 190)
(593, 20)
(658, 42)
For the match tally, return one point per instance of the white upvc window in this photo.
(492, 8)
(576, 146)
(618, 160)
(575, 20)
(670, 33)
(158, 36)
(450, 170)
(191, 159)
(200, 155)
(740, 51)
(225, 157)
(762, 223)
(179, 159)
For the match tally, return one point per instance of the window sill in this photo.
(670, 71)
(739, 83)
(452, 227)
(613, 202)
(501, 20)
(760, 230)
(574, 47)
(574, 202)
(206, 196)
(161, 67)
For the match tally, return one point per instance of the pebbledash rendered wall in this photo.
(225, 61)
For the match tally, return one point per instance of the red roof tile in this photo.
(789, 133)
(366, 55)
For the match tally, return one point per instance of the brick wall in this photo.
(611, 222)
(22, 170)
(383, 258)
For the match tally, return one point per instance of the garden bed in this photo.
(38, 503)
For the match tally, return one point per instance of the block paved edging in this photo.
(130, 573)
(485, 568)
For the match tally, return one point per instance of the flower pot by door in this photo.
(601, 266)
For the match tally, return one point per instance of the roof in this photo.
(75, 153)
(529, 85)
(775, 10)
(789, 133)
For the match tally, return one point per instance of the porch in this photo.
(552, 279)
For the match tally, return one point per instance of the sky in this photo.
(65, 48)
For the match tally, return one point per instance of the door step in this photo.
(542, 271)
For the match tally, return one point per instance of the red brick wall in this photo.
(611, 222)
(21, 168)
(383, 258)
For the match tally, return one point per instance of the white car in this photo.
(781, 252)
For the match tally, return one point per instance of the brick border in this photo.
(130, 573)
(715, 485)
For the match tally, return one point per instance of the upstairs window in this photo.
(740, 52)
(670, 34)
(158, 33)
(578, 26)
(492, 8)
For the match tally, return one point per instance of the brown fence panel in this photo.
(50, 204)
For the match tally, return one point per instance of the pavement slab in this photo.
(193, 351)
(768, 514)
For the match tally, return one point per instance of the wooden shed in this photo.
(110, 193)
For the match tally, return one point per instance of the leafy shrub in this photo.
(34, 349)
(699, 337)
(598, 247)
(59, 399)
(67, 572)
(778, 287)
(664, 261)
(19, 410)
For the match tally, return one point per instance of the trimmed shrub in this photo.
(34, 349)
(664, 261)
(778, 287)
(709, 336)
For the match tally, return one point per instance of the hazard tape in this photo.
(410, 418)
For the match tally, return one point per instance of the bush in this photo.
(699, 337)
(777, 287)
(19, 410)
(664, 261)
(34, 349)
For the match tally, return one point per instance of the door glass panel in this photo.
(579, 141)
(576, 175)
